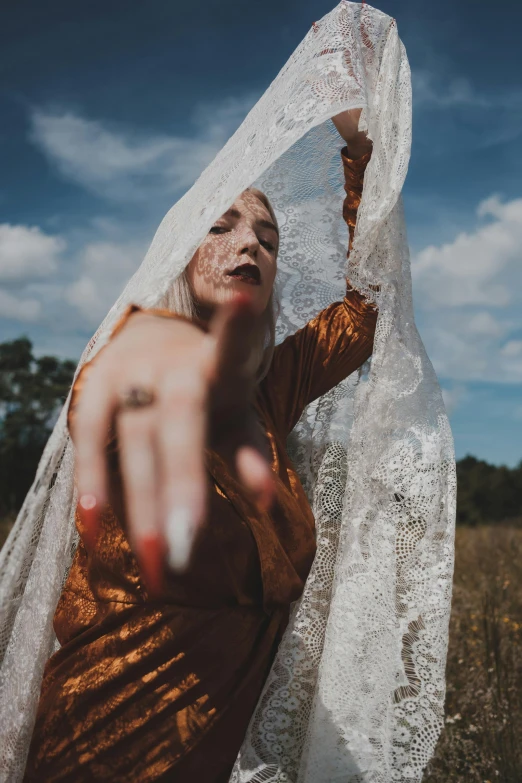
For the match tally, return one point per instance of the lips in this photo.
(246, 273)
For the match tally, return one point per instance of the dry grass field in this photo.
(482, 739)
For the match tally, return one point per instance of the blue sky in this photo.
(111, 109)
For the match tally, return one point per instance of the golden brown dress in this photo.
(163, 690)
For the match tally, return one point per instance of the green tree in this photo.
(488, 493)
(32, 391)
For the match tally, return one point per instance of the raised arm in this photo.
(334, 343)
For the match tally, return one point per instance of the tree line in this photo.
(33, 390)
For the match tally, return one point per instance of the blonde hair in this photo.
(180, 299)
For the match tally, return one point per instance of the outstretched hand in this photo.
(202, 386)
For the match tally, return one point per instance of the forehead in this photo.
(248, 205)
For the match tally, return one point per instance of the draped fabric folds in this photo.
(356, 688)
(143, 689)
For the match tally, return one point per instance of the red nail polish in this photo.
(266, 497)
(89, 510)
(151, 557)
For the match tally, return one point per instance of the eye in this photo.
(266, 244)
(218, 230)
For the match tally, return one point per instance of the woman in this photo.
(160, 668)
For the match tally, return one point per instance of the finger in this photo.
(233, 329)
(253, 459)
(235, 431)
(255, 473)
(137, 464)
(91, 428)
(181, 443)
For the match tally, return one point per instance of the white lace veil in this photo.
(357, 689)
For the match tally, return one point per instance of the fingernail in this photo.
(151, 558)
(89, 509)
(266, 498)
(179, 533)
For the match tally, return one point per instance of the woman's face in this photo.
(238, 254)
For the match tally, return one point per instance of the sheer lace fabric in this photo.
(357, 689)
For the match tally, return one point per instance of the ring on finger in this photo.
(136, 397)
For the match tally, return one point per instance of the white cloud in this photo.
(483, 324)
(468, 291)
(453, 397)
(122, 164)
(105, 268)
(17, 308)
(26, 252)
(469, 297)
(465, 345)
(482, 267)
(498, 112)
(99, 261)
(429, 88)
(512, 349)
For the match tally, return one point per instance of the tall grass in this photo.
(482, 738)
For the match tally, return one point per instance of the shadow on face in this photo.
(238, 254)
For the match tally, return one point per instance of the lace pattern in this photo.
(356, 692)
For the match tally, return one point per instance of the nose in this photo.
(247, 241)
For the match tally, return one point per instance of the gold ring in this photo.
(136, 397)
